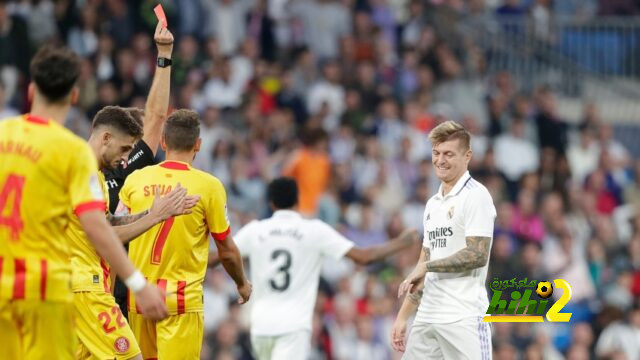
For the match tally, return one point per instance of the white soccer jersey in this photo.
(467, 210)
(285, 255)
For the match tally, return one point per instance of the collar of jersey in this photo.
(175, 165)
(285, 213)
(36, 120)
(456, 188)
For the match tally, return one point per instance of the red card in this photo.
(160, 15)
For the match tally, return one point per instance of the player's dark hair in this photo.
(55, 71)
(283, 193)
(120, 119)
(137, 114)
(181, 130)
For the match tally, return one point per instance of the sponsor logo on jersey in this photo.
(112, 184)
(121, 344)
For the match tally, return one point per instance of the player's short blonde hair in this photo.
(450, 130)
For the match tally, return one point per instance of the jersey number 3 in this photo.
(12, 186)
(283, 271)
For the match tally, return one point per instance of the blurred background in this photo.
(341, 95)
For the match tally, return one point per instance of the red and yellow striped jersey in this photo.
(46, 174)
(90, 271)
(174, 254)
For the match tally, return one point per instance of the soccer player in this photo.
(46, 172)
(102, 331)
(143, 153)
(174, 254)
(447, 285)
(285, 253)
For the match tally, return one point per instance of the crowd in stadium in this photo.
(342, 95)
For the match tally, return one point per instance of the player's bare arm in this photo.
(157, 104)
(175, 203)
(474, 256)
(231, 260)
(368, 255)
(103, 238)
(408, 308)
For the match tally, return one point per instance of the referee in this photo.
(447, 287)
(143, 153)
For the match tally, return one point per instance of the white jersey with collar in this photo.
(285, 257)
(467, 210)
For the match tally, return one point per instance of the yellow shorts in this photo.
(31, 329)
(176, 337)
(103, 332)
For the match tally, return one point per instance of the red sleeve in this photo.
(221, 236)
(90, 205)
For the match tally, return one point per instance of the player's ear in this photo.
(31, 92)
(75, 93)
(163, 144)
(106, 137)
(196, 147)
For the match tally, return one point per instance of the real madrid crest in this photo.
(450, 213)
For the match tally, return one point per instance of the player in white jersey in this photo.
(285, 254)
(448, 284)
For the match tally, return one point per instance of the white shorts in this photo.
(291, 346)
(465, 339)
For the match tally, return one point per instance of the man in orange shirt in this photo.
(311, 168)
(46, 172)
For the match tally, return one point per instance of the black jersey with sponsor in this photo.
(140, 156)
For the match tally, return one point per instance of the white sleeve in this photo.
(479, 214)
(330, 242)
(243, 238)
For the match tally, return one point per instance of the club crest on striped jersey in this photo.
(122, 344)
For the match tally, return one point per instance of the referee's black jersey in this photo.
(140, 156)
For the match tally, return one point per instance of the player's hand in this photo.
(409, 236)
(245, 292)
(413, 281)
(169, 205)
(189, 202)
(398, 334)
(164, 41)
(150, 300)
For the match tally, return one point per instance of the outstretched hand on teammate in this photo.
(174, 203)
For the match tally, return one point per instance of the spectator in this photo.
(515, 156)
(310, 167)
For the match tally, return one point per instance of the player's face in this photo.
(117, 150)
(450, 160)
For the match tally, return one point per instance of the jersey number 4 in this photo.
(12, 186)
(283, 271)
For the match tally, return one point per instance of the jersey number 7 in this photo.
(161, 240)
(13, 185)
